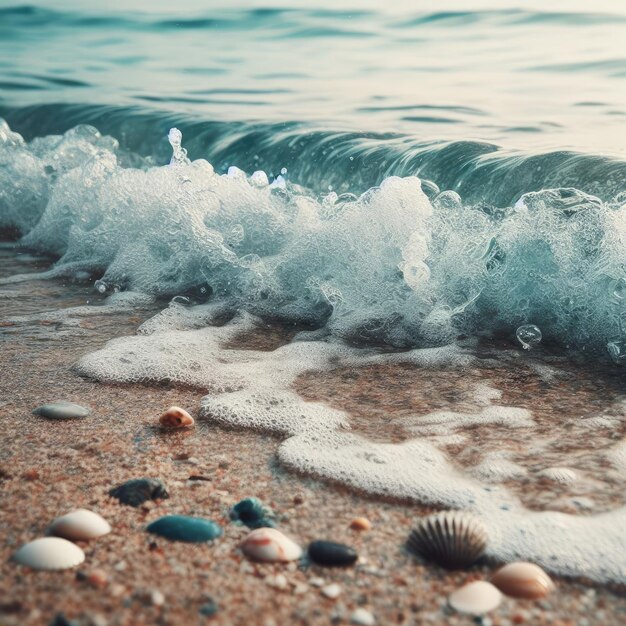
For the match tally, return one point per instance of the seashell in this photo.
(562, 475)
(360, 523)
(252, 513)
(332, 554)
(523, 580)
(475, 598)
(269, 544)
(175, 417)
(137, 491)
(183, 528)
(80, 525)
(49, 553)
(452, 539)
(61, 410)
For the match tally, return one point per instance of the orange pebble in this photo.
(360, 523)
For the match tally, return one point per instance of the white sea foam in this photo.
(385, 267)
(251, 389)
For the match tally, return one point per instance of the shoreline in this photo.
(48, 468)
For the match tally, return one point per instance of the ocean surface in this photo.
(397, 185)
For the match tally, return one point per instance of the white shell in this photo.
(475, 598)
(80, 525)
(269, 544)
(49, 553)
(559, 474)
(523, 580)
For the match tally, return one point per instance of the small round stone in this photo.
(362, 617)
(98, 578)
(61, 410)
(332, 591)
(332, 554)
(137, 491)
(183, 528)
(361, 524)
(475, 598)
(523, 580)
(49, 553)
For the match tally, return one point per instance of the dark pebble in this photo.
(332, 554)
(183, 528)
(139, 490)
(61, 620)
(253, 514)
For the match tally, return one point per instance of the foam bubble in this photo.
(385, 267)
(251, 389)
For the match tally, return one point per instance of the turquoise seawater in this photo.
(515, 110)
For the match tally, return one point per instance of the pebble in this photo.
(476, 598)
(331, 591)
(252, 513)
(209, 608)
(80, 525)
(332, 554)
(175, 417)
(184, 528)
(523, 580)
(360, 524)
(277, 582)
(362, 617)
(61, 411)
(269, 544)
(49, 553)
(98, 578)
(138, 490)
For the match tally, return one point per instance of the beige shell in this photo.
(452, 539)
(523, 580)
(175, 417)
(80, 525)
(475, 598)
(269, 544)
(49, 553)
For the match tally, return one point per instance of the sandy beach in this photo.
(48, 468)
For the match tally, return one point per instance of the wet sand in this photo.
(48, 468)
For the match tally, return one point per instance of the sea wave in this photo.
(449, 239)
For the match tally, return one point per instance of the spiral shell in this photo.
(452, 539)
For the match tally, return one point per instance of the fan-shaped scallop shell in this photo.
(451, 539)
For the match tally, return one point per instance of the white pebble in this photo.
(362, 617)
(331, 591)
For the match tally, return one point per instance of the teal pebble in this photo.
(183, 528)
(252, 513)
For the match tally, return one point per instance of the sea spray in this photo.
(387, 267)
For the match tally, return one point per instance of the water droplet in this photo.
(529, 336)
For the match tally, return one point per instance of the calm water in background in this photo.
(529, 75)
